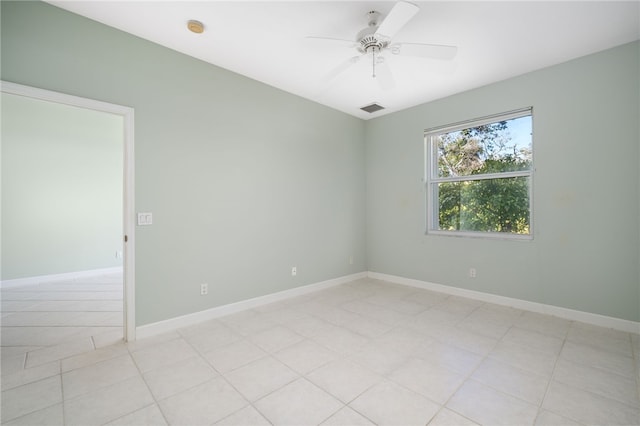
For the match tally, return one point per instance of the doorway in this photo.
(77, 265)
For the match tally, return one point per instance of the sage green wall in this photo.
(61, 188)
(585, 250)
(244, 180)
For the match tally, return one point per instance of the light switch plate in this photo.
(145, 219)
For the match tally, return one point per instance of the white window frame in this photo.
(431, 178)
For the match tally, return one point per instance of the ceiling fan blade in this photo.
(330, 40)
(401, 13)
(384, 75)
(334, 73)
(433, 51)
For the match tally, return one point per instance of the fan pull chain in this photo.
(373, 55)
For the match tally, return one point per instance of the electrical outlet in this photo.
(118, 254)
(472, 272)
(351, 260)
(294, 271)
(204, 289)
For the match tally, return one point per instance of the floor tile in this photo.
(525, 358)
(204, 404)
(490, 329)
(11, 351)
(244, 417)
(261, 377)
(389, 404)
(31, 397)
(30, 375)
(275, 338)
(435, 382)
(490, 320)
(463, 339)
(484, 405)
(522, 384)
(337, 316)
(107, 403)
(308, 326)
(598, 358)
(534, 340)
(12, 363)
(400, 338)
(368, 327)
(344, 379)
(283, 315)
(305, 356)
(57, 352)
(347, 417)
(93, 357)
(447, 417)
(427, 298)
(427, 321)
(174, 378)
(547, 418)
(95, 376)
(601, 382)
(394, 354)
(340, 340)
(150, 415)
(298, 403)
(381, 359)
(447, 356)
(459, 305)
(108, 337)
(138, 345)
(407, 306)
(165, 354)
(50, 416)
(588, 408)
(249, 322)
(607, 339)
(209, 336)
(235, 355)
(544, 324)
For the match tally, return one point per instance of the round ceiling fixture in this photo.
(195, 26)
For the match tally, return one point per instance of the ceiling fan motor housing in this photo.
(367, 40)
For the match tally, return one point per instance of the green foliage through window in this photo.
(480, 176)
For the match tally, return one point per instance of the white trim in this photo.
(67, 276)
(569, 314)
(171, 324)
(128, 227)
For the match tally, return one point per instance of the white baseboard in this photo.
(67, 276)
(569, 314)
(171, 324)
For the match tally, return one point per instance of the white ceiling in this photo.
(265, 40)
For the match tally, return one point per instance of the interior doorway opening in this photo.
(37, 285)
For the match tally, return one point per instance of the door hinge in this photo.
(126, 238)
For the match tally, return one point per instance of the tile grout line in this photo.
(553, 372)
(468, 377)
(155, 401)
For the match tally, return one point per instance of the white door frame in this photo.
(128, 222)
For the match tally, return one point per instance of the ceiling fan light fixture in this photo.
(372, 108)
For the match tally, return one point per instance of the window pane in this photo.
(491, 205)
(503, 146)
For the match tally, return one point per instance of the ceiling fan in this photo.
(377, 39)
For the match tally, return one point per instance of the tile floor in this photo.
(363, 353)
(84, 313)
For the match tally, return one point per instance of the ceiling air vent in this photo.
(372, 108)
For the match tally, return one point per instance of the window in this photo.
(479, 175)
